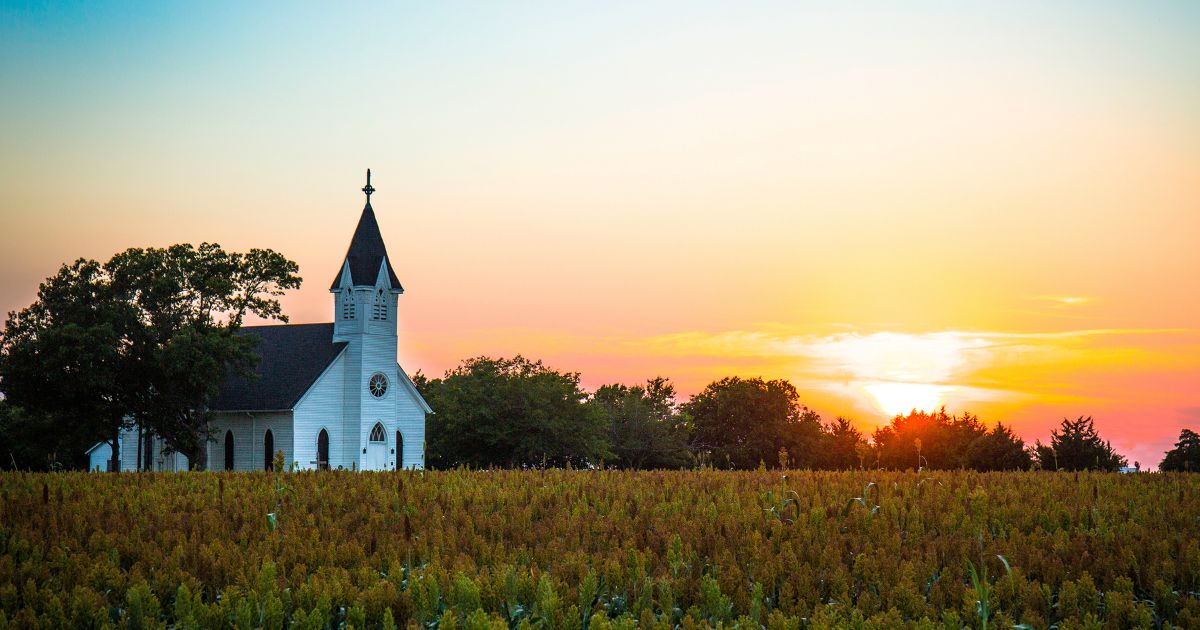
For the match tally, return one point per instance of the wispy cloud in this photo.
(1064, 301)
(885, 355)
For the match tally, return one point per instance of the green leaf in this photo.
(1004, 561)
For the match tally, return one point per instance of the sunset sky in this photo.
(892, 205)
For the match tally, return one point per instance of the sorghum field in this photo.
(600, 549)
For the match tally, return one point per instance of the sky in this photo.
(990, 206)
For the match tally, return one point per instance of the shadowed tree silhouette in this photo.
(740, 423)
(511, 412)
(1076, 445)
(643, 422)
(843, 445)
(998, 449)
(936, 440)
(1185, 456)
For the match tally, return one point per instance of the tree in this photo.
(998, 449)
(67, 360)
(147, 338)
(511, 412)
(1076, 445)
(643, 422)
(30, 442)
(943, 439)
(842, 446)
(739, 423)
(1185, 457)
(191, 302)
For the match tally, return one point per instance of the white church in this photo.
(328, 395)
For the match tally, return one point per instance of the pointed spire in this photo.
(368, 189)
(367, 251)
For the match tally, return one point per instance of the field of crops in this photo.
(600, 550)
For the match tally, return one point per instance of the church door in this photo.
(377, 449)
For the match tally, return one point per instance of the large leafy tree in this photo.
(67, 362)
(190, 302)
(644, 424)
(1076, 445)
(1185, 456)
(511, 412)
(147, 338)
(741, 423)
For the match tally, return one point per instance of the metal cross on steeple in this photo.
(368, 188)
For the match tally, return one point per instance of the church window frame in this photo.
(378, 434)
(378, 385)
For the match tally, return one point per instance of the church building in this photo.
(328, 395)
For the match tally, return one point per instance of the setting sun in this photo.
(900, 398)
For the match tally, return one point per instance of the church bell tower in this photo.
(365, 294)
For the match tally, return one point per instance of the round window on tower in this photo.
(378, 385)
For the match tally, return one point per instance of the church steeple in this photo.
(367, 251)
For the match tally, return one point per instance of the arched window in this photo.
(379, 311)
(229, 450)
(269, 451)
(377, 433)
(323, 450)
(347, 304)
(399, 451)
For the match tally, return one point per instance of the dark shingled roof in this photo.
(290, 358)
(365, 254)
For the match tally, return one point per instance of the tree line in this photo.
(518, 412)
(144, 340)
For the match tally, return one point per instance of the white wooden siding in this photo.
(249, 429)
(99, 457)
(159, 459)
(321, 408)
